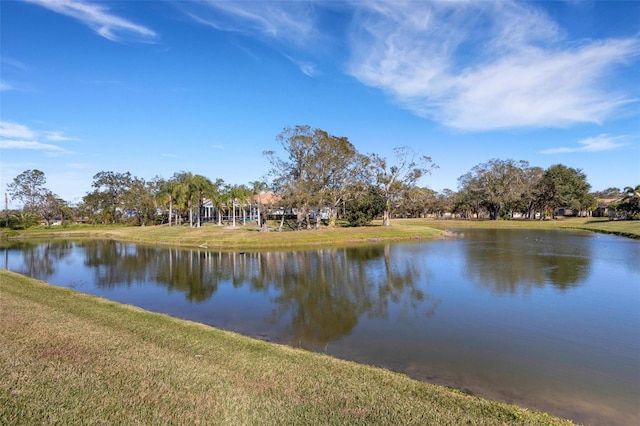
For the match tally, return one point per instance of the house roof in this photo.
(268, 198)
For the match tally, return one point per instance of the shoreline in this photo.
(69, 356)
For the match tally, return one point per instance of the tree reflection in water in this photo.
(512, 261)
(319, 294)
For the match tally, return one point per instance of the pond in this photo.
(549, 320)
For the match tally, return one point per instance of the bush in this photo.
(364, 207)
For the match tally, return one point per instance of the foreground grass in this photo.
(69, 358)
(247, 237)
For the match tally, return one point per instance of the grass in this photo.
(70, 358)
(248, 237)
(625, 228)
(240, 237)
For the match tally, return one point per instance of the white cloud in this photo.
(19, 136)
(485, 65)
(55, 136)
(29, 144)
(290, 21)
(5, 86)
(15, 131)
(13, 63)
(598, 143)
(306, 67)
(98, 18)
(217, 146)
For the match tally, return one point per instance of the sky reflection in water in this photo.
(546, 319)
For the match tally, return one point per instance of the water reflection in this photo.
(570, 323)
(319, 294)
(511, 261)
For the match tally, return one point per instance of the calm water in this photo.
(548, 320)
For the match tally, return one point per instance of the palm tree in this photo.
(631, 200)
(217, 198)
(200, 187)
(256, 189)
(237, 196)
(172, 194)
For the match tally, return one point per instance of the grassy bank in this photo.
(625, 228)
(69, 358)
(241, 237)
(248, 237)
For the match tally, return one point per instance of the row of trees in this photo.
(325, 176)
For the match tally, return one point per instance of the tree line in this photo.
(321, 177)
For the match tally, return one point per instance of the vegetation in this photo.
(631, 201)
(71, 358)
(230, 238)
(248, 237)
(317, 174)
(323, 177)
(38, 201)
(562, 186)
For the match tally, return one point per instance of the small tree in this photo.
(364, 206)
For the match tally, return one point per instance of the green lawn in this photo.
(69, 358)
(248, 237)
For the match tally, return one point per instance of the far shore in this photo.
(248, 236)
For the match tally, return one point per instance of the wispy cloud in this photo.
(217, 146)
(598, 143)
(467, 64)
(485, 65)
(56, 136)
(291, 21)
(306, 67)
(99, 19)
(292, 24)
(10, 66)
(5, 86)
(19, 136)
(14, 64)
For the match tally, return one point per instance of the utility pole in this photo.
(6, 210)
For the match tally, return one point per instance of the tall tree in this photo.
(53, 207)
(217, 197)
(335, 169)
(496, 184)
(107, 198)
(257, 188)
(301, 178)
(239, 195)
(562, 186)
(199, 188)
(167, 197)
(139, 201)
(28, 188)
(529, 201)
(394, 179)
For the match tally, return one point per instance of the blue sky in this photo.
(157, 87)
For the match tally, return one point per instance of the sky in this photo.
(158, 87)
